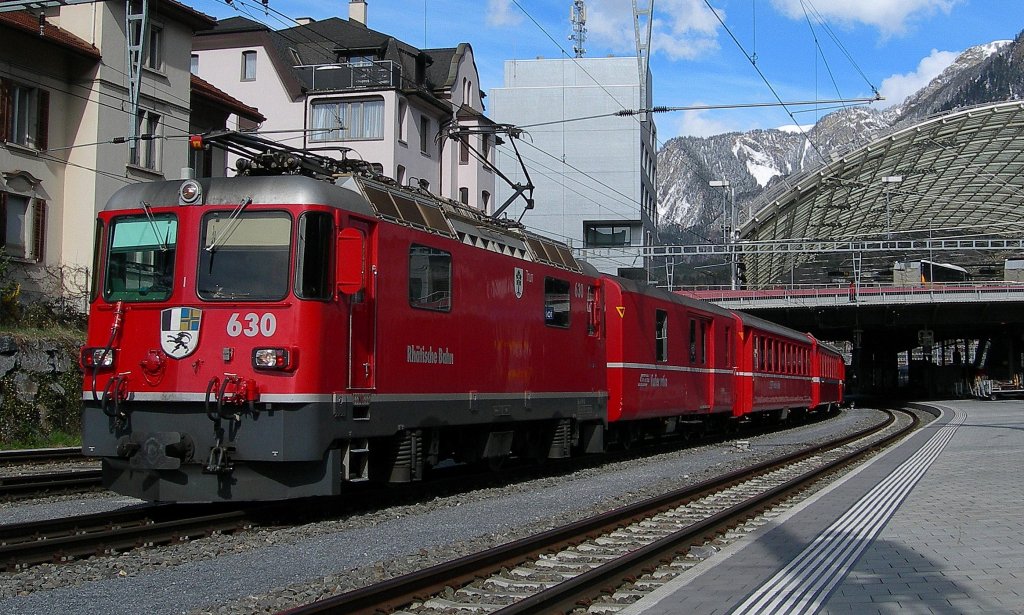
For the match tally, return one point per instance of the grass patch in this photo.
(63, 335)
(53, 439)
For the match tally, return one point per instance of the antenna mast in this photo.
(643, 12)
(578, 18)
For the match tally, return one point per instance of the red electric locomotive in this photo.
(310, 323)
(268, 337)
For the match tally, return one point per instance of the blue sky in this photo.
(898, 45)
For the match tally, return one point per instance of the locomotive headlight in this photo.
(189, 192)
(101, 358)
(282, 359)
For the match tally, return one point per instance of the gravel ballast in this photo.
(266, 570)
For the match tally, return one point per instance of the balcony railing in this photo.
(351, 76)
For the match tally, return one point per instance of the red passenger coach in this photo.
(668, 355)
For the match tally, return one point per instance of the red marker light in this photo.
(195, 142)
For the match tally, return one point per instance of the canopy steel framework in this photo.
(956, 175)
(953, 183)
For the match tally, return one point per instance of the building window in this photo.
(193, 66)
(430, 279)
(424, 135)
(486, 147)
(400, 175)
(146, 153)
(485, 200)
(463, 151)
(597, 235)
(248, 66)
(660, 335)
(556, 302)
(154, 52)
(464, 196)
(22, 226)
(361, 60)
(24, 114)
(403, 126)
(347, 120)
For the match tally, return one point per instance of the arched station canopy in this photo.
(957, 175)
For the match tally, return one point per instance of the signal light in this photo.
(279, 359)
(196, 142)
(102, 358)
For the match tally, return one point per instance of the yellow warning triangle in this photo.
(621, 310)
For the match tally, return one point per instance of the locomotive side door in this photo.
(355, 263)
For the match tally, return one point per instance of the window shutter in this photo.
(40, 230)
(42, 129)
(5, 109)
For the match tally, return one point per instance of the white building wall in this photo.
(584, 171)
(95, 172)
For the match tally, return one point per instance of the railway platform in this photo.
(934, 525)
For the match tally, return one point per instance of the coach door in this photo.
(700, 357)
(355, 264)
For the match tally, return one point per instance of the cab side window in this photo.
(313, 258)
(430, 279)
(556, 302)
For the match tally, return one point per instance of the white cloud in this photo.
(682, 29)
(896, 88)
(701, 124)
(889, 16)
(501, 13)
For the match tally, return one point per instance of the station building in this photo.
(594, 172)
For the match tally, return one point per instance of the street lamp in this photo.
(888, 181)
(727, 227)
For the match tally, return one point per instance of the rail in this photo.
(40, 454)
(398, 592)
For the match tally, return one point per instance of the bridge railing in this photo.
(837, 294)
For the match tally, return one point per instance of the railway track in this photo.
(60, 540)
(40, 455)
(570, 567)
(69, 480)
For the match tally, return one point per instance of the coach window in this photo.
(693, 341)
(703, 343)
(313, 257)
(140, 258)
(430, 279)
(661, 335)
(556, 302)
(244, 256)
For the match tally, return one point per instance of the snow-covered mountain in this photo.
(689, 209)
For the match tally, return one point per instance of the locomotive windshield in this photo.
(244, 256)
(140, 259)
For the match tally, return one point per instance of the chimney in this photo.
(357, 11)
(304, 21)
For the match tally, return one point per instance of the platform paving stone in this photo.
(954, 545)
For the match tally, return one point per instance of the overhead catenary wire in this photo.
(668, 109)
